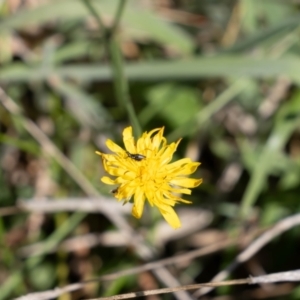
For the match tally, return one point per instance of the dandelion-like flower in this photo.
(143, 171)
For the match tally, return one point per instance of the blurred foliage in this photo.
(222, 75)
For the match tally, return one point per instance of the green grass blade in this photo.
(189, 69)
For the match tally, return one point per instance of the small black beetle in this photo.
(114, 191)
(137, 157)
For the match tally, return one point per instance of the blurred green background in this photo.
(222, 75)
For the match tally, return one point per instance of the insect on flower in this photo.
(114, 191)
(157, 179)
(137, 157)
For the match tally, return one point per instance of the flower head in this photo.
(143, 171)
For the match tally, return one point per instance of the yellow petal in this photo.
(182, 167)
(166, 189)
(186, 182)
(149, 195)
(114, 171)
(170, 216)
(126, 192)
(167, 156)
(139, 200)
(146, 142)
(107, 165)
(128, 140)
(172, 200)
(142, 144)
(108, 180)
(184, 201)
(181, 191)
(114, 147)
(178, 163)
(157, 139)
(189, 168)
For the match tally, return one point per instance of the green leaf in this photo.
(27, 146)
(174, 103)
(137, 22)
(187, 69)
(288, 120)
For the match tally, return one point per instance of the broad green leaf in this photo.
(137, 22)
(174, 103)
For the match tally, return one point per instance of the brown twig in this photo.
(276, 95)
(253, 248)
(185, 257)
(290, 276)
(275, 277)
(46, 205)
(90, 240)
(10, 210)
(90, 205)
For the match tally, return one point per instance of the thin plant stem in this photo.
(94, 13)
(120, 81)
(121, 86)
(117, 18)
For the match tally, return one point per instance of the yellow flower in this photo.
(144, 171)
